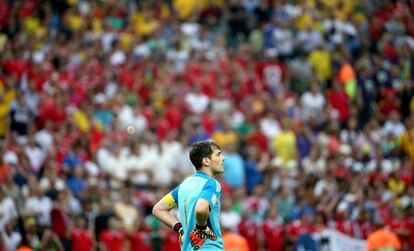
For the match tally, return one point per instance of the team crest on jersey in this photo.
(214, 199)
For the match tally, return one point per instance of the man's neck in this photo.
(206, 171)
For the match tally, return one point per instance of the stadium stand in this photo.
(310, 100)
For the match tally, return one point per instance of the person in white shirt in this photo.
(51, 181)
(118, 56)
(393, 125)
(314, 164)
(35, 154)
(132, 116)
(229, 218)
(168, 163)
(39, 205)
(197, 100)
(178, 57)
(308, 39)
(116, 165)
(221, 103)
(8, 209)
(44, 137)
(269, 126)
(92, 168)
(349, 135)
(141, 163)
(11, 238)
(283, 39)
(191, 31)
(312, 101)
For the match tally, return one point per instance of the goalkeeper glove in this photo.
(199, 235)
(178, 228)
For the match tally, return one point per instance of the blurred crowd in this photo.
(311, 102)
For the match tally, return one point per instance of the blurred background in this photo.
(311, 102)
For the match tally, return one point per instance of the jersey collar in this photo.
(202, 174)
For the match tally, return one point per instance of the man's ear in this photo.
(206, 161)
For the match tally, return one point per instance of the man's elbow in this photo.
(155, 210)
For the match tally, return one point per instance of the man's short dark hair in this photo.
(200, 150)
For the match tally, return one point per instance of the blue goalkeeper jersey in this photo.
(197, 186)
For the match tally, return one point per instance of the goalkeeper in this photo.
(198, 201)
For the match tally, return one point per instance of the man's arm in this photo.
(201, 232)
(202, 211)
(162, 210)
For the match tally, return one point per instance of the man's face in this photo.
(217, 161)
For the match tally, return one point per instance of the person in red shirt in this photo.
(208, 121)
(409, 216)
(274, 231)
(399, 225)
(174, 114)
(140, 239)
(304, 225)
(81, 237)
(208, 76)
(5, 12)
(388, 103)
(258, 138)
(52, 108)
(272, 72)
(250, 229)
(113, 238)
(342, 222)
(170, 241)
(366, 223)
(5, 169)
(59, 219)
(16, 65)
(340, 101)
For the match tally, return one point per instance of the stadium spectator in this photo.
(383, 238)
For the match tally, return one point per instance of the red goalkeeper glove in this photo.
(199, 235)
(178, 228)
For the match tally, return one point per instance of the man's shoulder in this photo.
(204, 181)
(193, 181)
(213, 183)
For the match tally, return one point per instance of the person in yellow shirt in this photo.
(127, 38)
(145, 22)
(284, 143)
(9, 91)
(7, 95)
(185, 8)
(225, 136)
(407, 139)
(396, 184)
(303, 21)
(74, 20)
(4, 111)
(81, 119)
(3, 41)
(320, 60)
(126, 212)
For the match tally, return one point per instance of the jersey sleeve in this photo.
(171, 199)
(209, 192)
